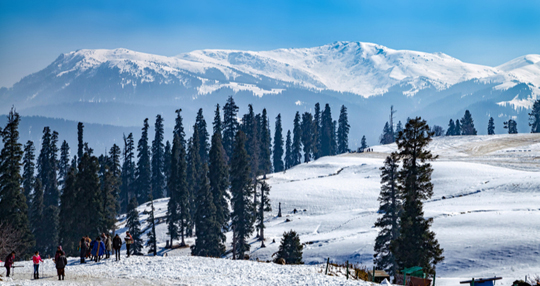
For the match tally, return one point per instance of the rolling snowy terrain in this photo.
(121, 87)
(486, 210)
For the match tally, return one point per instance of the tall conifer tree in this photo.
(278, 146)
(219, 182)
(158, 160)
(127, 190)
(80, 140)
(491, 126)
(317, 131)
(327, 131)
(69, 212)
(230, 126)
(152, 239)
(451, 131)
(63, 164)
(28, 171)
(143, 172)
(296, 147)
(534, 117)
(167, 166)
(194, 167)
(288, 152)
(343, 131)
(263, 206)
(36, 215)
(265, 162)
(307, 136)
(204, 146)
(250, 129)
(467, 124)
(217, 125)
(134, 226)
(457, 129)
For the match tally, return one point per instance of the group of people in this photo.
(94, 249)
(103, 246)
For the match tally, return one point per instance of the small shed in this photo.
(379, 276)
(481, 281)
(413, 276)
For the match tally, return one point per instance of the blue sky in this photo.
(34, 33)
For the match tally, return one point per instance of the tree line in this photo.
(58, 197)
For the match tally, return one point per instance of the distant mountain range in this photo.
(121, 87)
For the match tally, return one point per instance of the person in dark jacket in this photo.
(59, 252)
(117, 245)
(61, 263)
(83, 248)
(9, 262)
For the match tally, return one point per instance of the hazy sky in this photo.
(34, 33)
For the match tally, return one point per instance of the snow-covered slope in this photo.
(486, 207)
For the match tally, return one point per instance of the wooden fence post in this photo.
(327, 262)
(347, 269)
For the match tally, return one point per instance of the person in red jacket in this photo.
(36, 259)
(9, 262)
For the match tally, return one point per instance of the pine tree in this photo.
(217, 125)
(36, 215)
(219, 182)
(143, 172)
(534, 117)
(108, 194)
(13, 208)
(363, 143)
(327, 131)
(278, 146)
(290, 248)
(333, 145)
(69, 212)
(179, 129)
(416, 244)
(250, 129)
(63, 164)
(451, 131)
(467, 124)
(264, 206)
(317, 131)
(265, 148)
(296, 147)
(28, 171)
(307, 135)
(388, 223)
(204, 146)
(194, 167)
(158, 160)
(80, 145)
(288, 152)
(491, 126)
(230, 126)
(387, 135)
(457, 129)
(152, 242)
(90, 219)
(207, 229)
(399, 128)
(167, 166)
(116, 172)
(134, 226)
(242, 191)
(128, 173)
(343, 131)
(511, 125)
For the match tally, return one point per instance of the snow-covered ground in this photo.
(486, 210)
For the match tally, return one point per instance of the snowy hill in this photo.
(485, 207)
(122, 87)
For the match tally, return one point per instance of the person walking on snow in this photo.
(61, 263)
(9, 262)
(59, 252)
(108, 245)
(99, 249)
(117, 244)
(36, 259)
(129, 241)
(83, 248)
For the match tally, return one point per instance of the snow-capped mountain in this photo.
(87, 84)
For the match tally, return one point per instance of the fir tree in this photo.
(296, 147)
(134, 226)
(108, 194)
(143, 172)
(457, 129)
(194, 167)
(152, 242)
(307, 135)
(491, 126)
(399, 128)
(451, 131)
(179, 129)
(278, 146)
(69, 212)
(288, 152)
(534, 117)
(363, 143)
(467, 124)
(265, 163)
(128, 172)
(317, 131)
(63, 164)
(511, 125)
(416, 244)
(80, 145)
(264, 206)
(219, 182)
(167, 166)
(387, 135)
(230, 126)
(290, 248)
(90, 219)
(333, 141)
(13, 208)
(36, 215)
(207, 229)
(217, 125)
(327, 131)
(388, 223)
(250, 129)
(158, 160)
(242, 191)
(204, 146)
(343, 131)
(28, 171)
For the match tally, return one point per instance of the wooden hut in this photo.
(379, 276)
